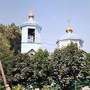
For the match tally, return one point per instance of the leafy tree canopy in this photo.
(65, 65)
(69, 63)
(26, 70)
(9, 39)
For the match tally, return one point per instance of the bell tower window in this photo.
(31, 35)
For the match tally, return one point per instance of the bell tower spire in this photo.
(31, 17)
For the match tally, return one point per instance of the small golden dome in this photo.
(69, 29)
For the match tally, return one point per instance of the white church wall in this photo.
(24, 34)
(64, 43)
(26, 47)
(37, 36)
(86, 88)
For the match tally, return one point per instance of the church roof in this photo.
(30, 24)
(70, 36)
(31, 21)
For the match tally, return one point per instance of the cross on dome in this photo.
(31, 14)
(31, 17)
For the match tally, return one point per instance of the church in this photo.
(30, 35)
(69, 37)
(31, 40)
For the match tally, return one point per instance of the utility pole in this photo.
(4, 78)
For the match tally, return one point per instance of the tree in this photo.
(29, 71)
(9, 42)
(41, 68)
(69, 64)
(88, 64)
(14, 37)
(10, 38)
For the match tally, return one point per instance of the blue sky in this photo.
(52, 15)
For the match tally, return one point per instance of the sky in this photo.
(52, 16)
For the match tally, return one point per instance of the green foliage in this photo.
(61, 68)
(69, 64)
(18, 87)
(41, 55)
(1, 85)
(14, 37)
(9, 39)
(9, 44)
(88, 64)
(26, 70)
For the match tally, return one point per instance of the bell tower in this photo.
(30, 32)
